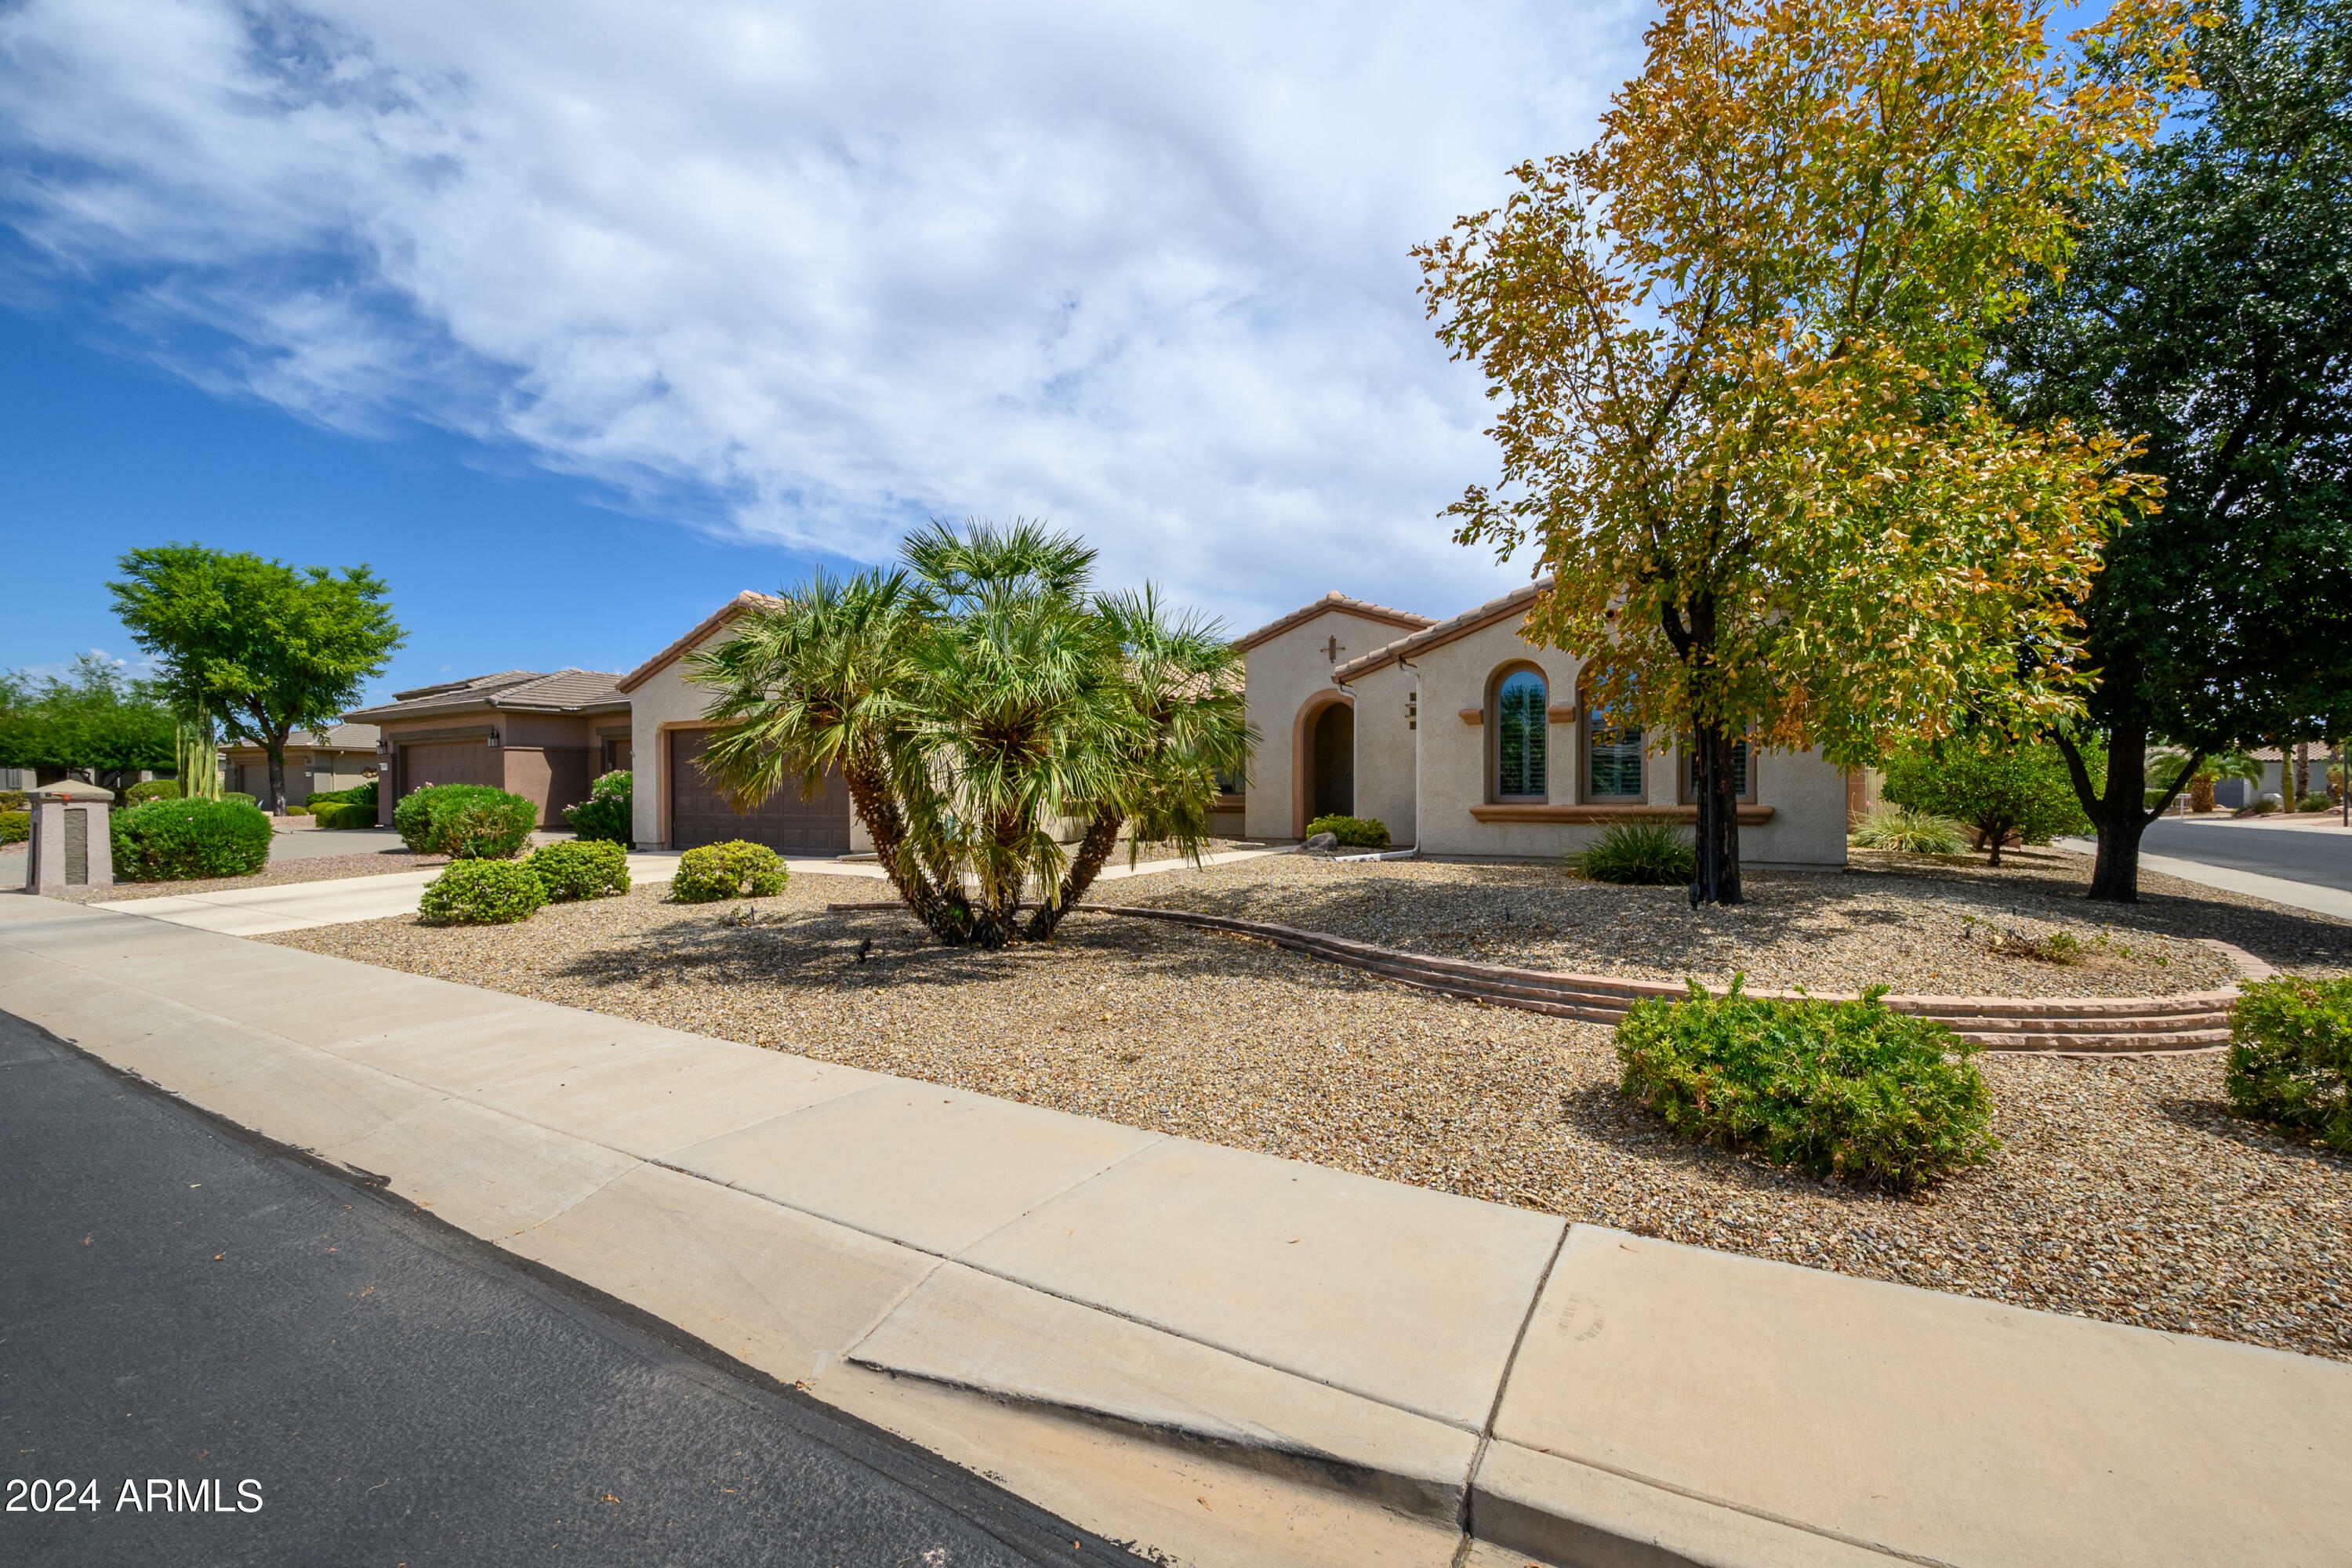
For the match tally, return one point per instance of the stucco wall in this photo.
(1285, 673)
(1384, 743)
(1808, 795)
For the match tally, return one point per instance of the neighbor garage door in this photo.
(786, 824)
(449, 762)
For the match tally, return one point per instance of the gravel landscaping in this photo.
(1922, 925)
(2124, 1190)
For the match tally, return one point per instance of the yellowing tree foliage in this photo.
(1735, 341)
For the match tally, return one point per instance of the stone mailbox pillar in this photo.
(72, 846)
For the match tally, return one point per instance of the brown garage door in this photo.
(450, 763)
(786, 824)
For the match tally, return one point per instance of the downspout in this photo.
(1413, 702)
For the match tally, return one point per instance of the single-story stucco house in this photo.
(545, 735)
(1467, 740)
(341, 756)
(1462, 736)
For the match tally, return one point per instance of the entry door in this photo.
(1335, 761)
(698, 814)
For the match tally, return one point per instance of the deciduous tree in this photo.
(262, 645)
(1735, 346)
(2208, 311)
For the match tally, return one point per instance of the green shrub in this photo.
(2316, 801)
(1352, 832)
(582, 868)
(737, 868)
(358, 795)
(1850, 1089)
(465, 822)
(481, 893)
(151, 789)
(1995, 787)
(606, 814)
(15, 827)
(1889, 827)
(171, 840)
(2290, 1056)
(14, 800)
(340, 814)
(1645, 854)
(239, 794)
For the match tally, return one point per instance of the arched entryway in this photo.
(1323, 760)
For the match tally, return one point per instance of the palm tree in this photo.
(975, 701)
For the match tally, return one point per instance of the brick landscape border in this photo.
(2057, 1026)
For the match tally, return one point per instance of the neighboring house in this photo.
(317, 761)
(545, 736)
(2278, 777)
(1466, 739)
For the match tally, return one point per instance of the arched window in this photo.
(1612, 758)
(1519, 736)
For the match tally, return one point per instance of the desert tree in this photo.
(262, 647)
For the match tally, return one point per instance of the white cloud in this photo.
(1138, 269)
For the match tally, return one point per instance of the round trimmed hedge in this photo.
(481, 893)
(1352, 832)
(580, 869)
(175, 840)
(465, 822)
(735, 870)
(1845, 1089)
(2290, 1056)
(15, 827)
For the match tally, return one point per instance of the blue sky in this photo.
(574, 317)
(494, 563)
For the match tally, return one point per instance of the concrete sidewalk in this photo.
(2318, 900)
(1225, 1357)
(296, 906)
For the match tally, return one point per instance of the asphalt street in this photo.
(2320, 856)
(224, 1354)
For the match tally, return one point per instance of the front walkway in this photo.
(298, 906)
(1225, 1357)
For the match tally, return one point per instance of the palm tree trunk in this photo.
(1094, 849)
(944, 913)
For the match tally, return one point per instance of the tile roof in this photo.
(1516, 603)
(561, 691)
(748, 599)
(1334, 600)
(335, 738)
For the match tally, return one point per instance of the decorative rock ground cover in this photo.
(2125, 1190)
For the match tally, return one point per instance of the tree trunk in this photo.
(2115, 878)
(276, 747)
(1718, 880)
(1094, 849)
(2302, 775)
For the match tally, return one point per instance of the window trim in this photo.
(1492, 712)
